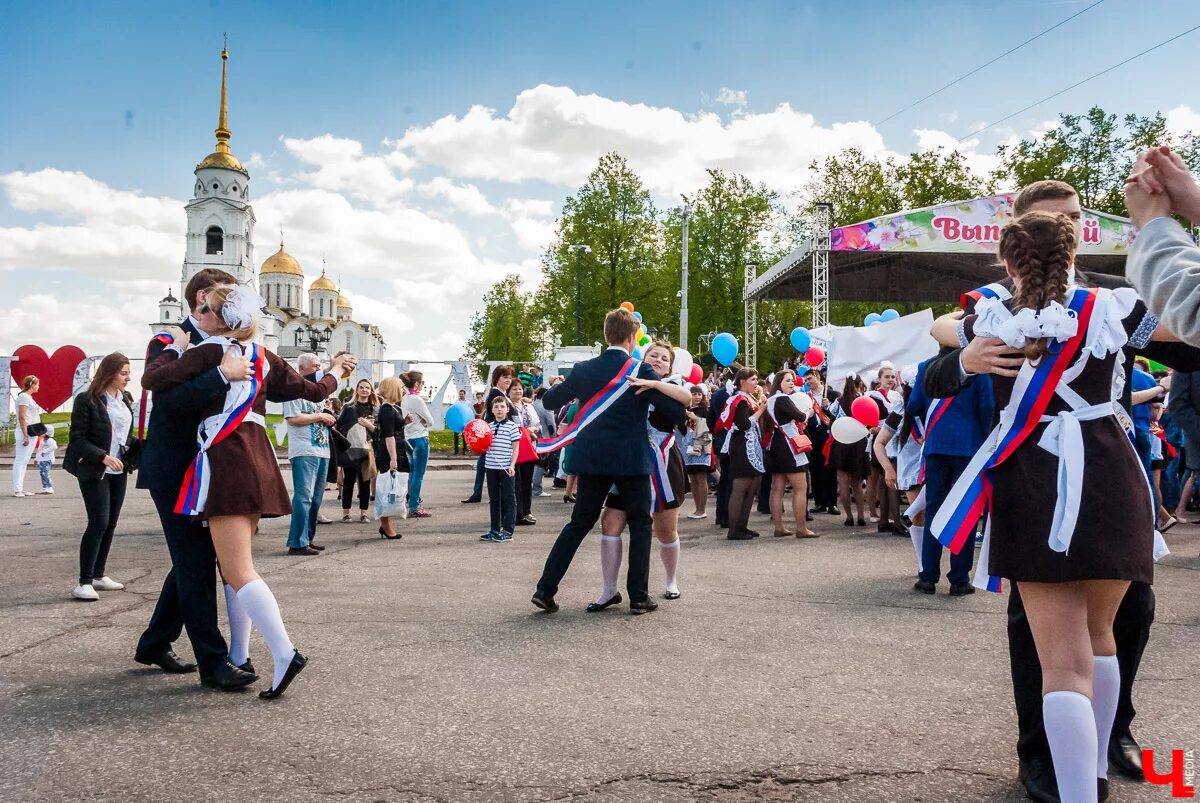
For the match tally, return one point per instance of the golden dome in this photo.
(222, 156)
(323, 283)
(223, 159)
(281, 262)
(343, 302)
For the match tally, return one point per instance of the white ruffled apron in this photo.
(791, 431)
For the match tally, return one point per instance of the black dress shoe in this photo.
(833, 511)
(526, 521)
(318, 547)
(228, 678)
(302, 550)
(471, 500)
(739, 536)
(544, 601)
(166, 660)
(294, 668)
(644, 606)
(961, 589)
(1037, 776)
(1102, 789)
(1125, 754)
(596, 607)
(925, 587)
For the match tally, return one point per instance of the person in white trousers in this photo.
(27, 413)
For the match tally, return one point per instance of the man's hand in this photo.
(991, 355)
(234, 365)
(342, 364)
(326, 419)
(1144, 194)
(1171, 175)
(179, 337)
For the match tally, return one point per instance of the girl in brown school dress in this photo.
(1071, 578)
(244, 483)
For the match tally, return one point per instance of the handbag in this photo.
(34, 430)
(391, 495)
(131, 456)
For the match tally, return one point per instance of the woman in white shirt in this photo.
(417, 422)
(101, 424)
(28, 414)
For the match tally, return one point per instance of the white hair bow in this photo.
(242, 306)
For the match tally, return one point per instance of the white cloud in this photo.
(1183, 120)
(342, 167)
(466, 198)
(731, 97)
(979, 163)
(555, 135)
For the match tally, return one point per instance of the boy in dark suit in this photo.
(610, 448)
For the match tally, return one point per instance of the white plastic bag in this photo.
(391, 495)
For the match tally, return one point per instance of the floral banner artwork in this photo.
(971, 227)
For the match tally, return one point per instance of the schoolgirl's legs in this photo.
(612, 524)
(666, 530)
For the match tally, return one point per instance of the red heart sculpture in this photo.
(56, 375)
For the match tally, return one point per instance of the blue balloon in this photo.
(872, 318)
(637, 352)
(638, 315)
(802, 369)
(889, 314)
(459, 415)
(725, 348)
(801, 339)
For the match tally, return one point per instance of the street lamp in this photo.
(686, 211)
(313, 337)
(579, 250)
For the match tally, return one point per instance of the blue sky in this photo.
(126, 94)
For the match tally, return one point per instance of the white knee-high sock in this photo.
(917, 534)
(610, 565)
(239, 628)
(1106, 686)
(1071, 731)
(670, 558)
(260, 605)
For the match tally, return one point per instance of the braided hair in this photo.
(1040, 247)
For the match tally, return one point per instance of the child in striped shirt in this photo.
(500, 467)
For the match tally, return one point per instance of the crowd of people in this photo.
(1042, 399)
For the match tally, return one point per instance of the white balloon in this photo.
(683, 362)
(848, 430)
(803, 402)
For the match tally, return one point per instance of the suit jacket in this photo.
(615, 443)
(1164, 266)
(943, 377)
(961, 429)
(1184, 401)
(91, 437)
(174, 419)
(716, 405)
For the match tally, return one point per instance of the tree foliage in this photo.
(507, 328)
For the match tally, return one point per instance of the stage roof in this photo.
(929, 255)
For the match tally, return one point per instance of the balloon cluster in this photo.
(683, 364)
(814, 356)
(887, 315)
(478, 435)
(459, 415)
(864, 415)
(643, 337)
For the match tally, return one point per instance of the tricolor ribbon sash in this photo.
(239, 400)
(660, 443)
(994, 290)
(937, 408)
(592, 409)
(1032, 391)
(144, 408)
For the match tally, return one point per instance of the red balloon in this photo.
(865, 411)
(814, 356)
(477, 435)
(55, 374)
(696, 375)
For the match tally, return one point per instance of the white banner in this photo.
(904, 341)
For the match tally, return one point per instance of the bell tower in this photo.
(220, 229)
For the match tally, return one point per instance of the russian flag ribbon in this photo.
(661, 492)
(592, 409)
(994, 290)
(1034, 388)
(239, 400)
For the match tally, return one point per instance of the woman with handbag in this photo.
(101, 431)
(527, 456)
(357, 423)
(391, 453)
(25, 438)
(786, 449)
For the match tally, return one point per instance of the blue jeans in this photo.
(941, 472)
(418, 459)
(539, 476)
(502, 499)
(44, 471)
(308, 488)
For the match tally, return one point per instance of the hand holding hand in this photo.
(234, 365)
(1171, 173)
(113, 463)
(1143, 202)
(991, 355)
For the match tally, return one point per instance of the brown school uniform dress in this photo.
(778, 456)
(245, 478)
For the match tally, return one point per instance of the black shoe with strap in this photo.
(294, 668)
(596, 607)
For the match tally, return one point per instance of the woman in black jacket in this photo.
(101, 430)
(361, 409)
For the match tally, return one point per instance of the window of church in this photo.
(233, 189)
(214, 240)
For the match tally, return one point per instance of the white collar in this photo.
(205, 335)
(621, 349)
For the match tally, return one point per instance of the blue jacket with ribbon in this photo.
(964, 424)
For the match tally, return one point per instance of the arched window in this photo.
(214, 240)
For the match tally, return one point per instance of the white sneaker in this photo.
(322, 520)
(106, 583)
(19, 494)
(698, 515)
(46, 491)
(86, 593)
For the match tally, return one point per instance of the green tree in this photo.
(613, 215)
(860, 187)
(507, 328)
(934, 177)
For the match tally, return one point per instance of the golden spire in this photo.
(222, 156)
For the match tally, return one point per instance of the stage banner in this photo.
(970, 227)
(858, 349)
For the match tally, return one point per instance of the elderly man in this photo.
(1164, 262)
(308, 452)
